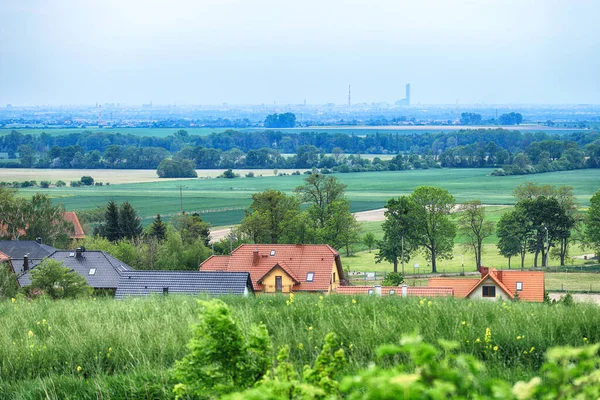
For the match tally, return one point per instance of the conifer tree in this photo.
(111, 229)
(158, 229)
(129, 222)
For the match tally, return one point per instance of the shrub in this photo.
(393, 279)
(8, 282)
(57, 281)
(87, 180)
(250, 174)
(221, 359)
(60, 183)
(229, 174)
(98, 184)
(76, 184)
(45, 184)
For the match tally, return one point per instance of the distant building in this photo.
(406, 101)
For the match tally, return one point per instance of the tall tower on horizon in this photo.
(408, 94)
(349, 97)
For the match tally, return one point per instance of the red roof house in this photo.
(69, 216)
(283, 267)
(528, 285)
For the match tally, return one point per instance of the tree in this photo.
(511, 118)
(473, 226)
(285, 120)
(401, 221)
(320, 191)
(87, 180)
(57, 281)
(191, 228)
(176, 168)
(435, 231)
(130, 226)
(14, 213)
(269, 216)
(593, 223)
(369, 240)
(110, 229)
(27, 155)
(158, 229)
(8, 282)
(513, 234)
(46, 220)
(341, 228)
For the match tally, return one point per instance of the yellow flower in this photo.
(495, 348)
(38, 322)
(585, 339)
(320, 298)
(30, 334)
(351, 346)
(13, 300)
(421, 302)
(518, 337)
(109, 349)
(353, 301)
(310, 328)
(477, 340)
(43, 322)
(429, 303)
(532, 349)
(300, 346)
(464, 322)
(79, 368)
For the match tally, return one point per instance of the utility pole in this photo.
(181, 198)
(545, 254)
(402, 255)
(349, 97)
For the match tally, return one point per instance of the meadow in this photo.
(102, 348)
(222, 201)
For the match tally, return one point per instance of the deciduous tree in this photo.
(473, 225)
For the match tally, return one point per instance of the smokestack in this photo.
(39, 240)
(25, 263)
(408, 94)
(255, 257)
(78, 252)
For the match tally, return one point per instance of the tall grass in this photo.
(50, 346)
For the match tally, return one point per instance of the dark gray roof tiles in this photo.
(140, 283)
(101, 270)
(17, 249)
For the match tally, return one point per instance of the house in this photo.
(140, 283)
(404, 291)
(25, 254)
(505, 284)
(283, 267)
(4, 259)
(100, 269)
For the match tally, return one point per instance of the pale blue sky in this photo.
(260, 51)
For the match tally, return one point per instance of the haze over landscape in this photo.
(254, 52)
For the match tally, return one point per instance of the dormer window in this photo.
(519, 286)
(272, 253)
(92, 271)
(310, 277)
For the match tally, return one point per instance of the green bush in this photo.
(393, 279)
(54, 279)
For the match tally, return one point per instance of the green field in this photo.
(160, 132)
(222, 201)
(102, 348)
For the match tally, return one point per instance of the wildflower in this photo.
(525, 352)
(488, 335)
(495, 348)
(79, 368)
(30, 334)
(519, 337)
(320, 298)
(310, 328)
(353, 301)
(477, 340)
(585, 339)
(13, 300)
(429, 303)
(109, 349)
(532, 349)
(351, 346)
(464, 322)
(37, 323)
(422, 302)
(43, 322)
(300, 346)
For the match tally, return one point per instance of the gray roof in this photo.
(101, 270)
(139, 283)
(16, 249)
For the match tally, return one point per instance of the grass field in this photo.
(109, 349)
(222, 201)
(160, 132)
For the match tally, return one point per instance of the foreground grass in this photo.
(125, 348)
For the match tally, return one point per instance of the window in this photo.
(310, 277)
(392, 292)
(334, 276)
(272, 253)
(71, 254)
(519, 286)
(92, 271)
(371, 291)
(489, 291)
(165, 291)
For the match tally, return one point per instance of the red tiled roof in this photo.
(71, 217)
(424, 291)
(492, 274)
(298, 259)
(533, 283)
(461, 286)
(3, 257)
(284, 267)
(413, 291)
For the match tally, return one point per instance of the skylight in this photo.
(310, 277)
(71, 254)
(272, 253)
(92, 271)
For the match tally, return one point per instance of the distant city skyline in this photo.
(256, 52)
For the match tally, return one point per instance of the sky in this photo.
(68, 52)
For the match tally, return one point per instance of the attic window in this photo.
(310, 277)
(71, 254)
(272, 253)
(519, 286)
(92, 271)
(489, 291)
(371, 291)
(392, 292)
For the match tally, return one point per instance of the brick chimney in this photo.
(255, 257)
(484, 271)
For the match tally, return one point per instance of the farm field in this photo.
(159, 132)
(102, 348)
(222, 201)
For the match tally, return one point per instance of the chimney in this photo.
(39, 240)
(378, 290)
(255, 257)
(78, 252)
(404, 290)
(25, 263)
(483, 271)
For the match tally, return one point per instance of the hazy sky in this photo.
(260, 51)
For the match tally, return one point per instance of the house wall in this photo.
(334, 285)
(269, 281)
(478, 293)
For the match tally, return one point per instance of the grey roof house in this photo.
(25, 254)
(140, 283)
(100, 269)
